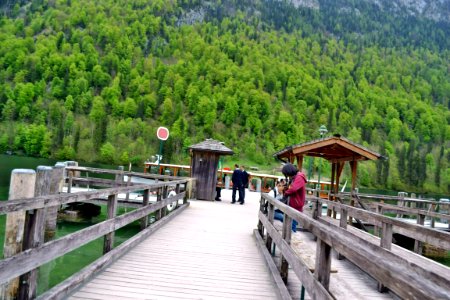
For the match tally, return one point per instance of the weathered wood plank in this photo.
(323, 264)
(410, 256)
(314, 288)
(61, 290)
(56, 187)
(282, 290)
(21, 186)
(382, 264)
(188, 257)
(431, 236)
(108, 242)
(100, 182)
(414, 211)
(134, 174)
(34, 231)
(270, 215)
(30, 259)
(286, 235)
(55, 200)
(145, 202)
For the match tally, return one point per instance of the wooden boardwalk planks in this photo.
(207, 252)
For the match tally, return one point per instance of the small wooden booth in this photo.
(335, 149)
(204, 162)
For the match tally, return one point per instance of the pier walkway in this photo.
(206, 252)
(209, 252)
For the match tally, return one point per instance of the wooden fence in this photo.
(401, 205)
(405, 278)
(32, 251)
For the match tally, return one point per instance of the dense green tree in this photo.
(93, 80)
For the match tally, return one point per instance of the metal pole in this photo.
(161, 142)
(320, 169)
(310, 167)
(302, 294)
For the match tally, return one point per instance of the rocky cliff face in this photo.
(438, 10)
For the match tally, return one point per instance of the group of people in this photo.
(240, 182)
(292, 192)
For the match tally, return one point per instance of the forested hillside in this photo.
(92, 80)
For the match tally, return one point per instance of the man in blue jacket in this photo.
(236, 178)
(245, 177)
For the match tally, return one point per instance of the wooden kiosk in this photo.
(335, 149)
(204, 162)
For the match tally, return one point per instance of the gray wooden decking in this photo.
(209, 252)
(206, 252)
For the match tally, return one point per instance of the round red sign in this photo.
(162, 133)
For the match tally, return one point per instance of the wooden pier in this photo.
(211, 250)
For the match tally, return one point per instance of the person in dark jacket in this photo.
(296, 190)
(245, 178)
(236, 179)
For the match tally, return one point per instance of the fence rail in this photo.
(404, 278)
(32, 251)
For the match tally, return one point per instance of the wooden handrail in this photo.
(28, 214)
(59, 199)
(30, 259)
(404, 278)
(434, 237)
(127, 173)
(414, 211)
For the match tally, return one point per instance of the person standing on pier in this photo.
(236, 178)
(245, 177)
(296, 190)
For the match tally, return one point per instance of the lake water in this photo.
(61, 268)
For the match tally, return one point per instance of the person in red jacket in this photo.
(296, 190)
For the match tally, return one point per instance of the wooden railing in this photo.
(34, 251)
(406, 279)
(420, 208)
(388, 225)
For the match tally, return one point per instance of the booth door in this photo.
(204, 169)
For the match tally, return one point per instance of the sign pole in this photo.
(161, 143)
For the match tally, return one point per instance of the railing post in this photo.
(108, 243)
(186, 192)
(352, 204)
(323, 263)
(34, 231)
(119, 177)
(158, 198)
(400, 202)
(432, 207)
(385, 242)
(56, 185)
(69, 182)
(270, 216)
(286, 234)
(71, 174)
(145, 201)
(376, 229)
(21, 186)
(343, 224)
(165, 193)
(418, 245)
(127, 195)
(261, 209)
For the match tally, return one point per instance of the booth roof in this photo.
(210, 145)
(335, 148)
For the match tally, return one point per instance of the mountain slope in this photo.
(93, 80)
